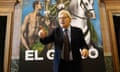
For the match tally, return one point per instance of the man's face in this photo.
(64, 20)
(39, 6)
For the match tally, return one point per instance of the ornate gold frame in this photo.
(7, 48)
(113, 39)
(111, 7)
(7, 9)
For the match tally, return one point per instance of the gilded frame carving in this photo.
(113, 39)
(107, 9)
(7, 48)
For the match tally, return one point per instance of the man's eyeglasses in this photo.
(62, 17)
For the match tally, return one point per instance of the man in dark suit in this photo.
(69, 41)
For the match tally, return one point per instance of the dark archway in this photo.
(116, 19)
(3, 23)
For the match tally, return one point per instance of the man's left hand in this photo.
(84, 52)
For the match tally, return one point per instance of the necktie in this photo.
(66, 46)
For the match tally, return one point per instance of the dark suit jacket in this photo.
(77, 41)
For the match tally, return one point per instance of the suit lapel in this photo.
(72, 33)
(60, 37)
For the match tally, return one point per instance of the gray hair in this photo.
(66, 12)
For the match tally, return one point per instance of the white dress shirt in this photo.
(69, 37)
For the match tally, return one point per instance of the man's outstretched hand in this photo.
(84, 53)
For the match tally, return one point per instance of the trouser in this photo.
(68, 66)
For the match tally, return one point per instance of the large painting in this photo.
(37, 14)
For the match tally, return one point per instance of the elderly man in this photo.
(69, 41)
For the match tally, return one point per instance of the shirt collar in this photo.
(63, 29)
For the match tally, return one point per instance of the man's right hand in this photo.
(42, 33)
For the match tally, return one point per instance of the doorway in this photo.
(3, 23)
(116, 20)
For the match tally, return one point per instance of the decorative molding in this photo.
(7, 9)
(112, 7)
(7, 3)
(111, 2)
